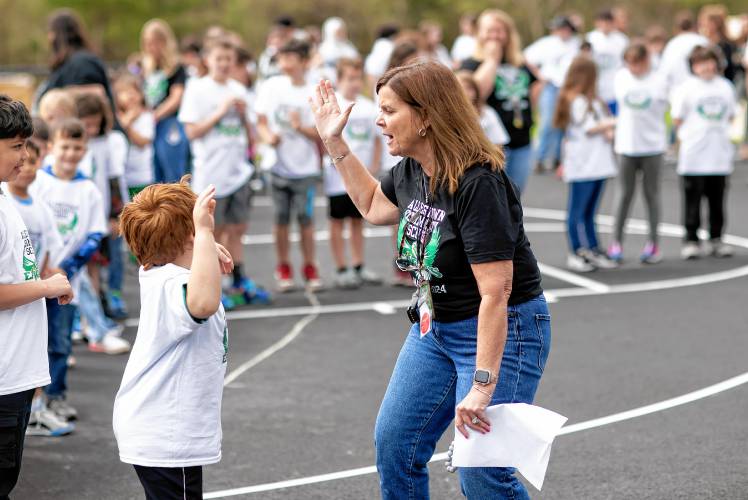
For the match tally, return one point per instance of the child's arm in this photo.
(19, 294)
(602, 126)
(263, 129)
(74, 263)
(204, 285)
(308, 132)
(199, 129)
(127, 121)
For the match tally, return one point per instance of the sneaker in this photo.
(71, 361)
(367, 277)
(229, 301)
(62, 409)
(719, 249)
(284, 278)
(599, 259)
(690, 251)
(254, 294)
(77, 337)
(615, 252)
(47, 423)
(311, 277)
(347, 279)
(402, 278)
(539, 167)
(580, 263)
(116, 307)
(650, 254)
(111, 343)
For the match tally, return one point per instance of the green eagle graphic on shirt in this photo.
(30, 269)
(64, 229)
(410, 251)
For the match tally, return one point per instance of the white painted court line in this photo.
(569, 429)
(283, 342)
(573, 278)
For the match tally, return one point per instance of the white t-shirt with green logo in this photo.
(167, 412)
(78, 211)
(220, 156)
(105, 160)
(42, 228)
(706, 108)
(361, 133)
(642, 102)
(23, 329)
(296, 155)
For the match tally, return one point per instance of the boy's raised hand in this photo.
(205, 207)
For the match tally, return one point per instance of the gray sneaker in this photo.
(62, 409)
(48, 423)
(690, 251)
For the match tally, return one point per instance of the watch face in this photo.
(482, 376)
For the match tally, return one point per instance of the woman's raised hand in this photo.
(328, 117)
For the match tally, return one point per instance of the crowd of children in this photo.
(79, 184)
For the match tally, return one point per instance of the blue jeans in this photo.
(584, 197)
(59, 328)
(518, 165)
(171, 150)
(92, 310)
(432, 375)
(549, 137)
(116, 267)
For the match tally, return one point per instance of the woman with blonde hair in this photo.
(477, 284)
(164, 79)
(504, 81)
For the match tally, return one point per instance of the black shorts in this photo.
(342, 207)
(171, 483)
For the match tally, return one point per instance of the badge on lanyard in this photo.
(425, 307)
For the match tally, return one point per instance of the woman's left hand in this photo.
(471, 412)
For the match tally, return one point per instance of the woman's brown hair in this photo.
(581, 79)
(454, 132)
(68, 35)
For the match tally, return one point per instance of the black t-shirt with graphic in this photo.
(481, 222)
(510, 98)
(157, 86)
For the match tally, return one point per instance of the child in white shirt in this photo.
(23, 328)
(702, 109)
(362, 135)
(588, 161)
(167, 413)
(216, 118)
(641, 141)
(140, 127)
(286, 123)
(79, 216)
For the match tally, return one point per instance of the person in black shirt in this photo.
(164, 79)
(481, 331)
(504, 81)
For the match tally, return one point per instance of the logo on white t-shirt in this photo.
(28, 264)
(712, 108)
(638, 99)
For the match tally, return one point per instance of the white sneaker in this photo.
(47, 423)
(368, 278)
(690, 251)
(598, 259)
(347, 279)
(579, 263)
(719, 249)
(110, 344)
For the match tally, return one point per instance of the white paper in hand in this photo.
(521, 436)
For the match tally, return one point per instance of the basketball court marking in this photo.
(690, 397)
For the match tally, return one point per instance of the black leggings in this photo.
(695, 188)
(171, 483)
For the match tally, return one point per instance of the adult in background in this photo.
(674, 63)
(482, 334)
(335, 43)
(376, 62)
(164, 79)
(464, 45)
(74, 66)
(608, 45)
(550, 58)
(504, 81)
(713, 26)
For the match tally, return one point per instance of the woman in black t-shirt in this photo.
(164, 79)
(504, 81)
(74, 65)
(481, 331)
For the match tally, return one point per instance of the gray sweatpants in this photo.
(650, 167)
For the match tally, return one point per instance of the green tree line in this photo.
(114, 25)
